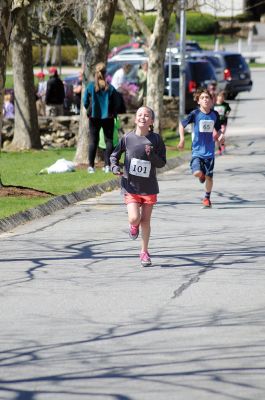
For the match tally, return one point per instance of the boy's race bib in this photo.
(206, 125)
(140, 167)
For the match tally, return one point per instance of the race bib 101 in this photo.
(206, 125)
(140, 167)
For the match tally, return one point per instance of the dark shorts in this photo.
(204, 165)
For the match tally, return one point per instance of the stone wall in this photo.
(59, 132)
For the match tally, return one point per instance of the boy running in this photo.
(207, 129)
(144, 152)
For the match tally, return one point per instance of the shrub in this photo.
(118, 40)
(69, 55)
(200, 23)
(119, 25)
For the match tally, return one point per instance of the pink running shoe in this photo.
(133, 232)
(145, 259)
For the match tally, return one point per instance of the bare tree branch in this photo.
(133, 18)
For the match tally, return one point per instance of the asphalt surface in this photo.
(80, 319)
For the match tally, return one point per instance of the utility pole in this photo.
(182, 70)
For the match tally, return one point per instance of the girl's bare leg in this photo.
(134, 214)
(145, 225)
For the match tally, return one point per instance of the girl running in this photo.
(144, 152)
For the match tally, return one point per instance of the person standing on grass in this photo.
(41, 93)
(144, 152)
(102, 103)
(54, 97)
(223, 108)
(207, 129)
(8, 107)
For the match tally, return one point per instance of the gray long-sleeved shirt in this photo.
(139, 175)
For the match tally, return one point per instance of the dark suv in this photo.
(233, 74)
(199, 73)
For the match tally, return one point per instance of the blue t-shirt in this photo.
(203, 144)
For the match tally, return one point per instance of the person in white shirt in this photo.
(119, 76)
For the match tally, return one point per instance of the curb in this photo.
(63, 201)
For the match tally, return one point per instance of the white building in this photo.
(220, 8)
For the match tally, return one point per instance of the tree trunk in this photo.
(95, 51)
(156, 48)
(26, 130)
(5, 33)
(81, 154)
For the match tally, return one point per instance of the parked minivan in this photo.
(232, 70)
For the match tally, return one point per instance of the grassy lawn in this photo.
(22, 169)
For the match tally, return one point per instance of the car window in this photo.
(214, 61)
(235, 61)
(202, 71)
(174, 69)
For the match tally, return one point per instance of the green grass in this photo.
(12, 205)
(22, 169)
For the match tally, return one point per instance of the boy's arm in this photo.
(182, 137)
(217, 132)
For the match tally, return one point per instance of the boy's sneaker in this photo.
(202, 178)
(206, 203)
(133, 232)
(145, 259)
(91, 170)
(107, 169)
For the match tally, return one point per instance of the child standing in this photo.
(144, 152)
(207, 129)
(223, 109)
(8, 107)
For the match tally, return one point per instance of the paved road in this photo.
(80, 319)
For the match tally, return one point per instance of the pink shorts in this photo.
(141, 199)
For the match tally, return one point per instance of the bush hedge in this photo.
(68, 53)
(198, 23)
